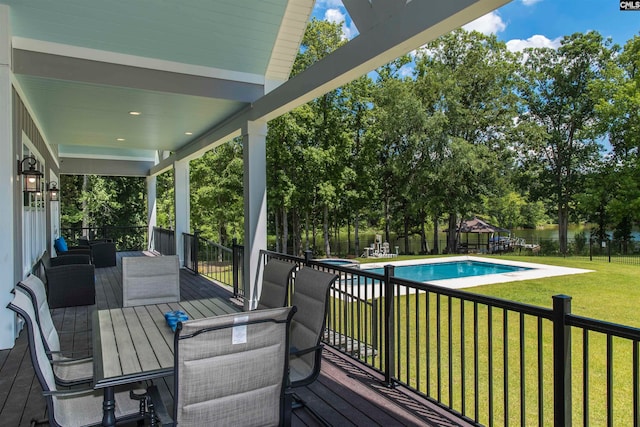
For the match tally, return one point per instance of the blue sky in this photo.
(530, 23)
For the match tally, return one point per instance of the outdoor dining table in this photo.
(135, 344)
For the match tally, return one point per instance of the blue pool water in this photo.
(449, 270)
(340, 262)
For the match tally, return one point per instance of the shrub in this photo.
(580, 240)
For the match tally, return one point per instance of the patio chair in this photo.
(63, 249)
(150, 280)
(68, 371)
(310, 297)
(69, 259)
(71, 285)
(103, 254)
(230, 370)
(73, 407)
(275, 284)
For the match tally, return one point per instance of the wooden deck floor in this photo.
(346, 393)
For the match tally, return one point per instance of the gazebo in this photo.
(494, 243)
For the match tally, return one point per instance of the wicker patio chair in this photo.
(276, 278)
(70, 259)
(71, 285)
(68, 370)
(150, 280)
(230, 370)
(103, 254)
(73, 407)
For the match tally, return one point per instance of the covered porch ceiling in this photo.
(195, 70)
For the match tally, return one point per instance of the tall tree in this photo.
(468, 78)
(559, 111)
(329, 144)
(216, 188)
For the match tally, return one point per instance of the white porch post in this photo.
(254, 138)
(182, 205)
(7, 184)
(151, 208)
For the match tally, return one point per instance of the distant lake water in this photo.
(534, 236)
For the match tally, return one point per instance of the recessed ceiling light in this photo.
(135, 113)
(188, 133)
(120, 139)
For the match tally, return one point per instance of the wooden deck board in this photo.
(346, 393)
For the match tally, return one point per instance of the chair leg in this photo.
(288, 409)
(297, 402)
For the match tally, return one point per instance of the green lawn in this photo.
(611, 292)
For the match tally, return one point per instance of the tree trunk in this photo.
(285, 231)
(336, 233)
(306, 231)
(313, 233)
(356, 232)
(297, 233)
(451, 234)
(348, 234)
(436, 242)
(276, 221)
(85, 214)
(563, 226)
(386, 219)
(406, 234)
(424, 243)
(325, 232)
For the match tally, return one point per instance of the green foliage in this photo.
(549, 247)
(95, 201)
(216, 190)
(580, 241)
(475, 130)
(559, 122)
(165, 210)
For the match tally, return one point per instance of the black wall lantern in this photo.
(31, 176)
(54, 193)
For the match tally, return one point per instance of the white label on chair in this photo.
(239, 335)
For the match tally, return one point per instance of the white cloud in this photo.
(530, 2)
(518, 45)
(337, 16)
(491, 23)
(334, 15)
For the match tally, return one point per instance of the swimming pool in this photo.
(450, 270)
(340, 262)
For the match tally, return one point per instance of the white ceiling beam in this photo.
(26, 62)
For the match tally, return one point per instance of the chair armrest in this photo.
(68, 392)
(70, 361)
(86, 354)
(300, 352)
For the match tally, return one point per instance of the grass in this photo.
(610, 292)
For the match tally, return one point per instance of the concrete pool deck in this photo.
(536, 271)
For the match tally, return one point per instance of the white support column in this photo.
(254, 138)
(7, 186)
(182, 205)
(151, 208)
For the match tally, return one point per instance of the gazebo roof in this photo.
(477, 225)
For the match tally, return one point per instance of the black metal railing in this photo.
(190, 251)
(617, 251)
(126, 238)
(163, 241)
(488, 360)
(214, 260)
